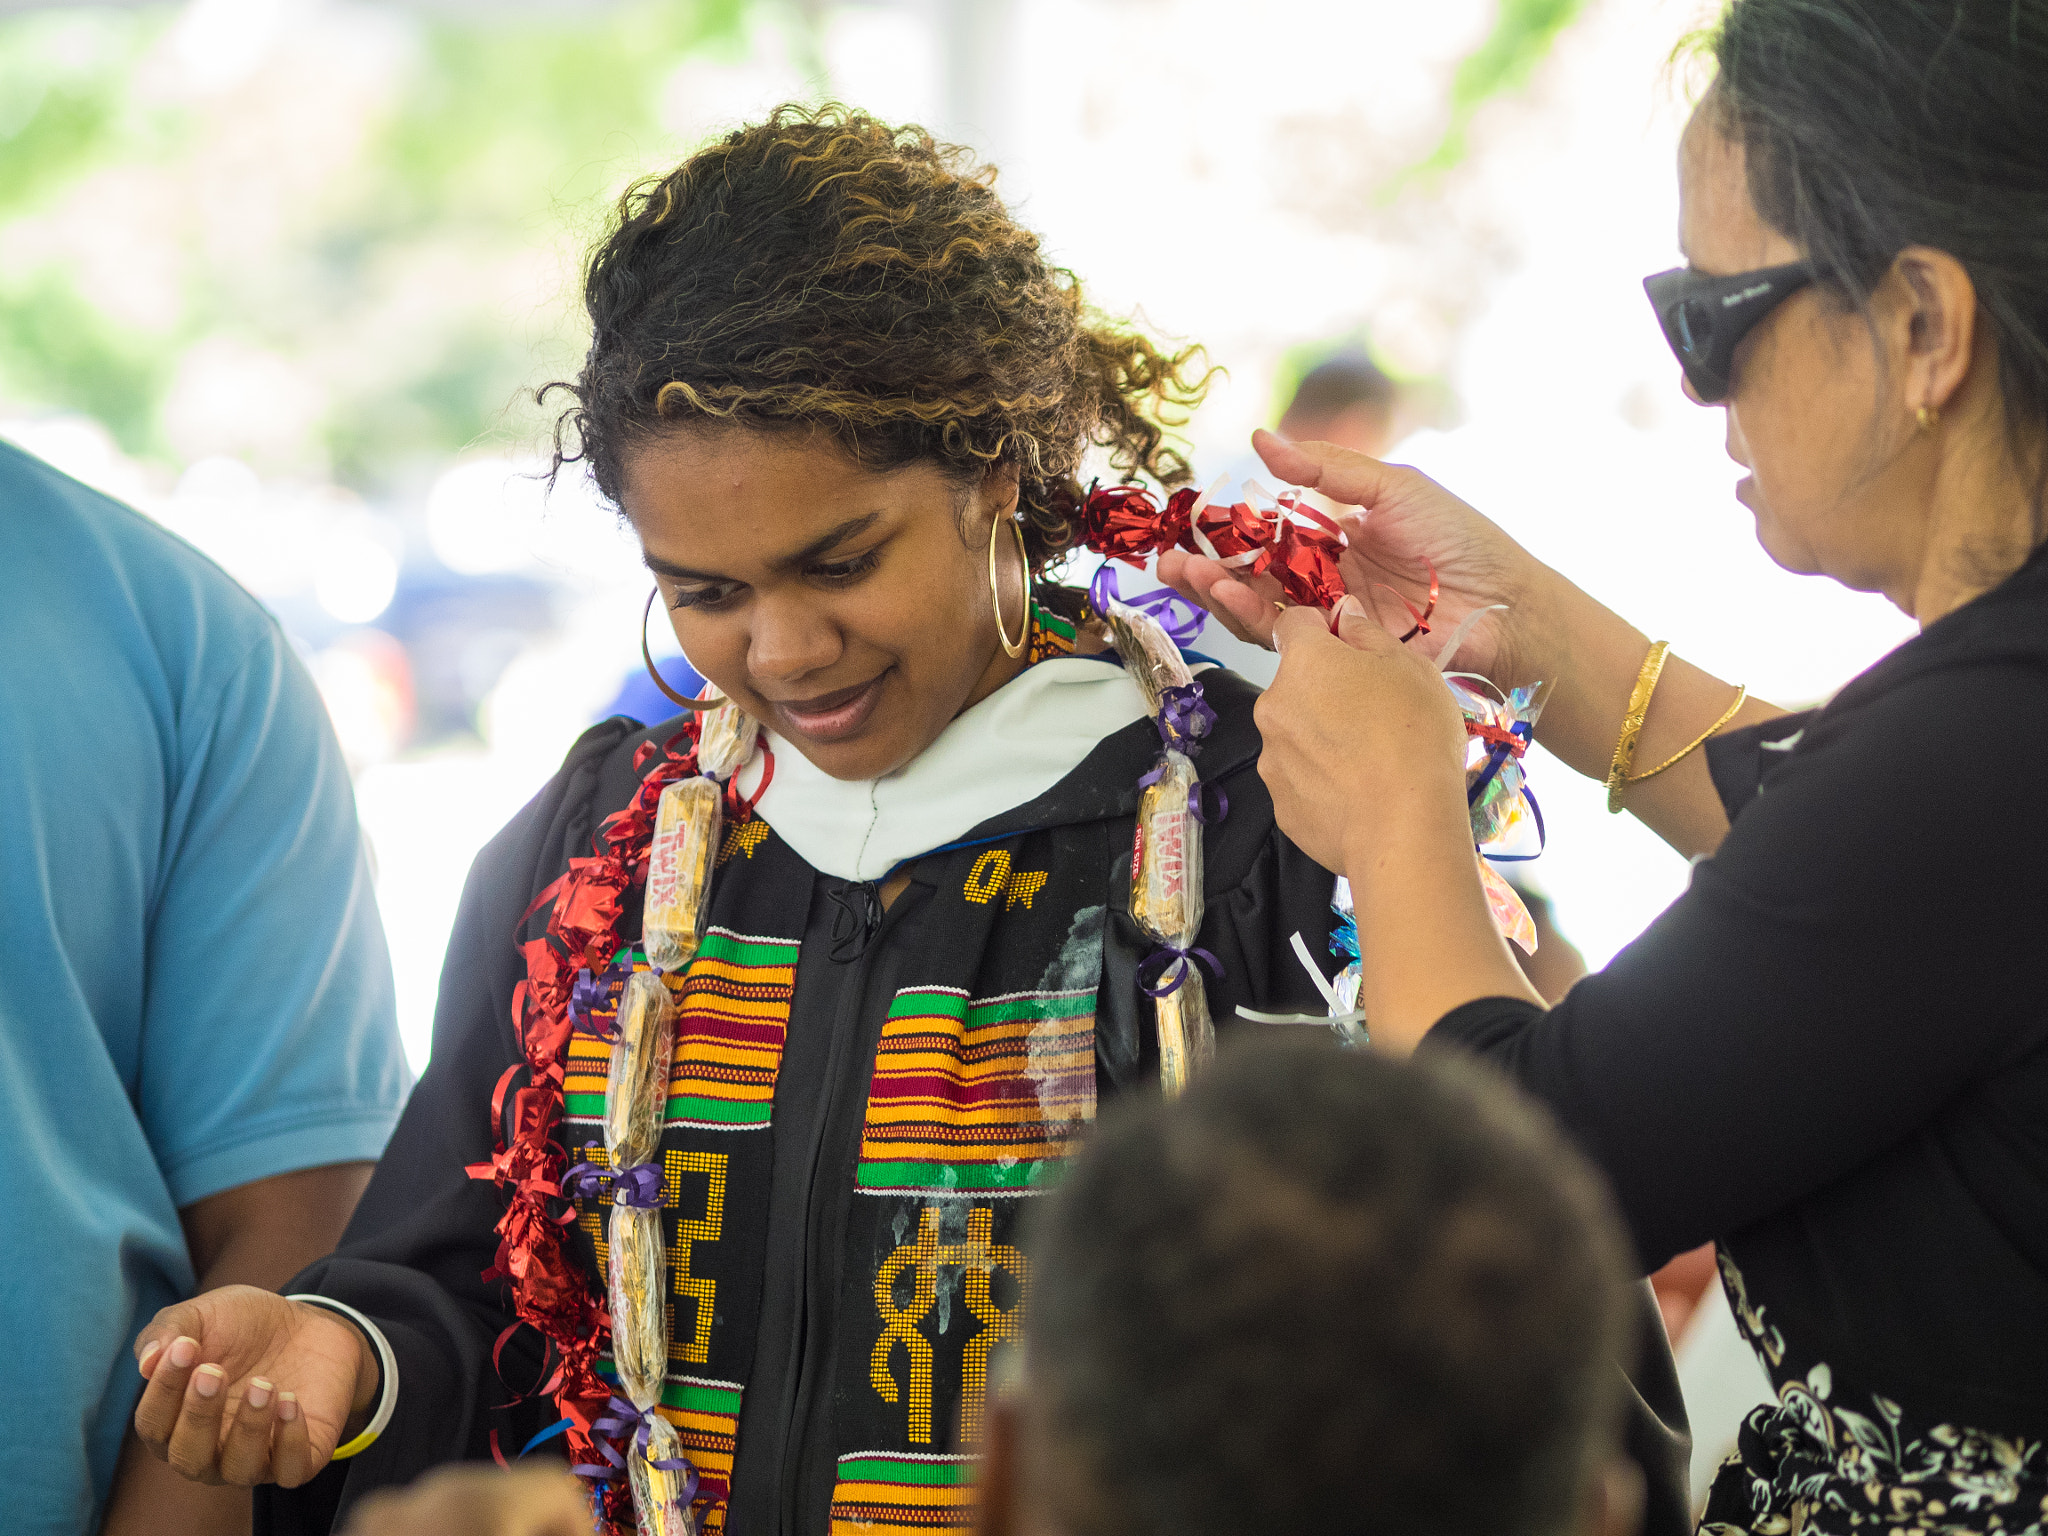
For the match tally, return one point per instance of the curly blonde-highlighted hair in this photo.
(826, 270)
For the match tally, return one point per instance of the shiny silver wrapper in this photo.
(1187, 1035)
(1166, 857)
(636, 1087)
(687, 827)
(658, 1494)
(726, 740)
(1149, 654)
(637, 1289)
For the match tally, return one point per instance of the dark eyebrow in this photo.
(825, 543)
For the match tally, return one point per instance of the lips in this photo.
(832, 716)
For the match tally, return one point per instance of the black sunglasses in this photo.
(1705, 318)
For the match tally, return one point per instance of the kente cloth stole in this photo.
(980, 1078)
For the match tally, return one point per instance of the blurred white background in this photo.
(285, 273)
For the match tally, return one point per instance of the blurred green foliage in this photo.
(425, 279)
(1522, 33)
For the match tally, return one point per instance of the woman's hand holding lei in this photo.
(1365, 758)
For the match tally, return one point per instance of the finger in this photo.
(291, 1450)
(1359, 629)
(1299, 627)
(245, 1452)
(194, 1449)
(1341, 474)
(157, 1414)
(1242, 610)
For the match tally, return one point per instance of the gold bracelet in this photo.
(1741, 693)
(1632, 723)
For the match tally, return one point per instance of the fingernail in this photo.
(287, 1407)
(1347, 605)
(206, 1381)
(184, 1352)
(149, 1353)
(259, 1392)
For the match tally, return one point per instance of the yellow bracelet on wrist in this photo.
(1741, 693)
(1632, 723)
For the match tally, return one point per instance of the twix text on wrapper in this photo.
(1166, 856)
(687, 827)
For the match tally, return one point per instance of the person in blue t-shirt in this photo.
(199, 1056)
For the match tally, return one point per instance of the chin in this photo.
(1787, 550)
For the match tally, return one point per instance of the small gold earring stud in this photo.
(1928, 417)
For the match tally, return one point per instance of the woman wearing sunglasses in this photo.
(1830, 1056)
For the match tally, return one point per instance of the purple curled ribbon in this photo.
(590, 992)
(1185, 717)
(1194, 796)
(1181, 619)
(638, 1185)
(1171, 966)
(619, 1418)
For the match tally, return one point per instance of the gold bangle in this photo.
(1741, 693)
(1632, 723)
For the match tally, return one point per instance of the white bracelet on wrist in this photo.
(387, 1398)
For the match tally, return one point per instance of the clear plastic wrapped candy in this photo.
(726, 740)
(661, 1494)
(1149, 654)
(1166, 857)
(687, 827)
(1187, 1035)
(636, 1088)
(638, 1293)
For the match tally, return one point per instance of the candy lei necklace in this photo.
(666, 837)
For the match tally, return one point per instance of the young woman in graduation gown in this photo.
(841, 398)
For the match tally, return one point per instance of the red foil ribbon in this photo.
(549, 1293)
(1297, 545)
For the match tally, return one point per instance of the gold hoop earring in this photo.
(1929, 418)
(659, 681)
(995, 593)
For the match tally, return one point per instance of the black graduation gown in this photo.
(846, 1160)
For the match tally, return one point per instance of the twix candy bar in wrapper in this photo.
(687, 826)
(637, 1291)
(658, 1501)
(636, 1086)
(1166, 856)
(1187, 1035)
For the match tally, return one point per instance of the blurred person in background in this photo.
(195, 1003)
(840, 396)
(1322, 1293)
(1830, 1055)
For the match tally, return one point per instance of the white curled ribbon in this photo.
(1443, 657)
(1346, 1021)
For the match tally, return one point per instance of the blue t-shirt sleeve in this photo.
(269, 1035)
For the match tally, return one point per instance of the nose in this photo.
(790, 638)
(1685, 383)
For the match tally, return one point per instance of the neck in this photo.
(1982, 519)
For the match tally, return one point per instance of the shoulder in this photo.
(73, 554)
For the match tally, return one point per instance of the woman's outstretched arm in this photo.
(1551, 631)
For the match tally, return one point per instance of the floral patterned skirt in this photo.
(1825, 1460)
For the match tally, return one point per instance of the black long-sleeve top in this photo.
(1830, 1055)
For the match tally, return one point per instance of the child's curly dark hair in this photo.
(826, 269)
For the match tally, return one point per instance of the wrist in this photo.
(369, 1383)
